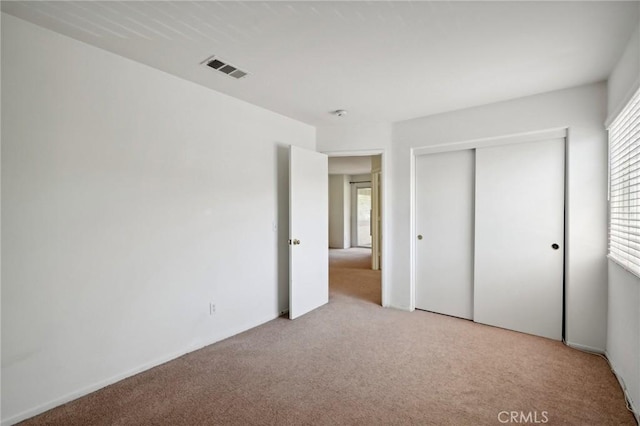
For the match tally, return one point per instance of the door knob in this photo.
(296, 242)
(420, 236)
(555, 246)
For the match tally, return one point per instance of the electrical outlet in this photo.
(212, 308)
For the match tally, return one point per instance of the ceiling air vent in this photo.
(224, 67)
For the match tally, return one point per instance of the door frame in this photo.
(384, 208)
(354, 211)
(553, 133)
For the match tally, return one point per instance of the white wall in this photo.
(339, 212)
(365, 177)
(623, 332)
(625, 77)
(345, 137)
(131, 198)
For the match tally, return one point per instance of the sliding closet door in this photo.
(519, 237)
(444, 233)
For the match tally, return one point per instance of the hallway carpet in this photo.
(353, 362)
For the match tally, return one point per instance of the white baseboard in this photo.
(400, 308)
(94, 387)
(585, 348)
(623, 386)
(634, 407)
(118, 377)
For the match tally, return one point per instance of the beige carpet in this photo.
(354, 362)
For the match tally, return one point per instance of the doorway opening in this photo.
(355, 227)
(362, 216)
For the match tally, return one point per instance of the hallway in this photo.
(351, 276)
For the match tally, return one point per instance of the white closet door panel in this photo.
(444, 219)
(518, 276)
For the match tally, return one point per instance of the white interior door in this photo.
(444, 227)
(519, 238)
(308, 231)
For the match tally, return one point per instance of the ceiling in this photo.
(383, 61)
(350, 165)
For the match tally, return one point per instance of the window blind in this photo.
(624, 186)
